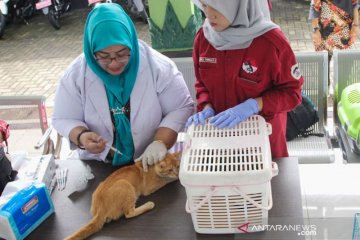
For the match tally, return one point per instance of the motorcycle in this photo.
(138, 8)
(3, 13)
(17, 10)
(93, 3)
(135, 8)
(54, 9)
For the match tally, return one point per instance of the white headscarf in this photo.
(264, 5)
(248, 18)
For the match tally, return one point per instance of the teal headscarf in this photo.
(108, 24)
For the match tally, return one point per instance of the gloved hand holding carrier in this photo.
(226, 174)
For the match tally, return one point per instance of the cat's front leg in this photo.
(139, 210)
(159, 184)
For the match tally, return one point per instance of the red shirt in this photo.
(267, 69)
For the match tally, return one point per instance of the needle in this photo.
(114, 149)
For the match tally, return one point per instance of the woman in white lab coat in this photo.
(120, 93)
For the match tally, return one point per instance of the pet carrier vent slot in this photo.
(354, 96)
(228, 211)
(209, 131)
(245, 159)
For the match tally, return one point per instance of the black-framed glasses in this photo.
(105, 61)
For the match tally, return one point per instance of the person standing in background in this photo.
(335, 24)
(244, 65)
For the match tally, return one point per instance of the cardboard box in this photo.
(39, 169)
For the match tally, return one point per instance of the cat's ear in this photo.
(162, 164)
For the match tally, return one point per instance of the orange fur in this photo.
(117, 194)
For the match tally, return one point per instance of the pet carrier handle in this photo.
(269, 128)
(189, 209)
(247, 198)
(185, 138)
(274, 169)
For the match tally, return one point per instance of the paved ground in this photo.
(33, 56)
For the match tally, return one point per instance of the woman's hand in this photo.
(231, 117)
(154, 153)
(200, 117)
(92, 142)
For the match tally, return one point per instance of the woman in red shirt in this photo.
(244, 65)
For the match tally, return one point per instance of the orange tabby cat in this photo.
(117, 194)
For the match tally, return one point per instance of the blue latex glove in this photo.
(200, 117)
(231, 117)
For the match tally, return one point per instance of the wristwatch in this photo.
(315, 29)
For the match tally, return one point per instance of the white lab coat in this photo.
(160, 98)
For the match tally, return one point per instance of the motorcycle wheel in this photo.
(144, 16)
(2, 24)
(54, 19)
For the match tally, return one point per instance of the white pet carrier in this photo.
(226, 174)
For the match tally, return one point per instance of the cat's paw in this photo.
(150, 205)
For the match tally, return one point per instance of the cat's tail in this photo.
(92, 227)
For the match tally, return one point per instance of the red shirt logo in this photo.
(249, 66)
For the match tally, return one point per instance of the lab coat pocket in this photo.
(248, 88)
(249, 83)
